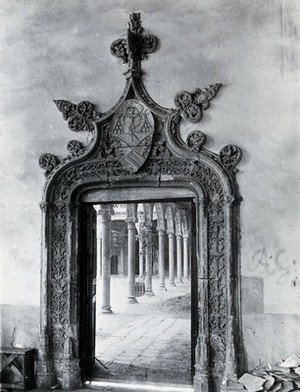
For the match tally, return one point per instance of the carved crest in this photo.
(131, 133)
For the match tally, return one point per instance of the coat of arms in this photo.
(131, 132)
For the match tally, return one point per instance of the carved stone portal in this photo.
(136, 145)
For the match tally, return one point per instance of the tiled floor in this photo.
(147, 341)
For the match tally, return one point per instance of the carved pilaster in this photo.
(202, 365)
(45, 372)
(230, 376)
(70, 374)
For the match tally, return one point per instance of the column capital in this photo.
(105, 211)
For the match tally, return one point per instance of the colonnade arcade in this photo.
(139, 241)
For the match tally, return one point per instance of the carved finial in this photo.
(192, 104)
(135, 47)
(80, 117)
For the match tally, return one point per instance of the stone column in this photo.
(122, 260)
(171, 258)
(141, 254)
(105, 213)
(131, 261)
(148, 283)
(186, 257)
(179, 257)
(161, 259)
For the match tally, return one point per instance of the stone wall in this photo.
(60, 50)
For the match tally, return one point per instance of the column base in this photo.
(106, 309)
(45, 374)
(179, 280)
(149, 293)
(231, 385)
(162, 288)
(172, 284)
(201, 383)
(71, 378)
(132, 300)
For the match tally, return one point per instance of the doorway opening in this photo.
(139, 281)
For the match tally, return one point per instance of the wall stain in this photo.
(289, 36)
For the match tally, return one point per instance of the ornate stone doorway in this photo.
(137, 147)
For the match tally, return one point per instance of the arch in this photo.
(160, 165)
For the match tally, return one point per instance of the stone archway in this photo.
(137, 146)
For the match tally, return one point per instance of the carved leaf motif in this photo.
(48, 162)
(230, 156)
(192, 104)
(119, 49)
(74, 146)
(80, 117)
(195, 140)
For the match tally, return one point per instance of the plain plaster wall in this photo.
(60, 50)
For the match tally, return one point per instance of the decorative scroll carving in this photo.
(195, 140)
(135, 46)
(48, 162)
(230, 156)
(80, 117)
(74, 146)
(192, 104)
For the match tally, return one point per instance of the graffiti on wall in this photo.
(274, 264)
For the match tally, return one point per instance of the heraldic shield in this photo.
(131, 132)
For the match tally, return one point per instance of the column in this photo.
(179, 257)
(186, 257)
(148, 282)
(161, 259)
(131, 261)
(141, 254)
(171, 258)
(105, 213)
(122, 260)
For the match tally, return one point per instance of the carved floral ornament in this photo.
(138, 142)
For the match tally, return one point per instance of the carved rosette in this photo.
(192, 104)
(230, 156)
(80, 117)
(48, 162)
(195, 140)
